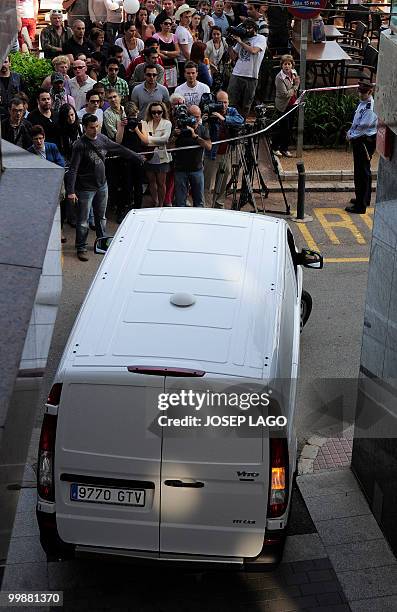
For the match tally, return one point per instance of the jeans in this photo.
(98, 199)
(196, 181)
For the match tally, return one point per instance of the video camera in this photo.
(209, 105)
(260, 112)
(239, 31)
(183, 119)
(132, 123)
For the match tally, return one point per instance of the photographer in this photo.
(189, 162)
(224, 122)
(249, 53)
(126, 135)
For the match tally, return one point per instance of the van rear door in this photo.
(108, 457)
(214, 481)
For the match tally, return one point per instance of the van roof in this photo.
(230, 262)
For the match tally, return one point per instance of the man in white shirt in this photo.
(192, 89)
(249, 53)
(92, 107)
(80, 84)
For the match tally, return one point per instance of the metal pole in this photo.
(1, 156)
(300, 206)
(301, 114)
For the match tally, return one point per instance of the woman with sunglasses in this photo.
(156, 130)
(168, 51)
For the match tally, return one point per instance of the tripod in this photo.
(243, 155)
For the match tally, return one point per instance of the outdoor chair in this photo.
(354, 37)
(379, 22)
(366, 70)
(356, 12)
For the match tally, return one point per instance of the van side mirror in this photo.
(101, 245)
(310, 259)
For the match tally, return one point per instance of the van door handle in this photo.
(196, 484)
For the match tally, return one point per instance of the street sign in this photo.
(305, 9)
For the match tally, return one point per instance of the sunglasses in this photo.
(167, 23)
(156, 112)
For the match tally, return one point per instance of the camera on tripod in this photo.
(239, 31)
(260, 112)
(183, 119)
(209, 105)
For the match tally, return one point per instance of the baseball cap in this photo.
(57, 77)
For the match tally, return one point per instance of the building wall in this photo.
(374, 458)
(30, 281)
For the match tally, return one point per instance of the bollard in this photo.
(300, 206)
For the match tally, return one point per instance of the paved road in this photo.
(330, 349)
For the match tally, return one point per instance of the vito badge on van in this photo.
(247, 475)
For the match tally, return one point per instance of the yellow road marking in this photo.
(367, 220)
(344, 221)
(307, 236)
(346, 260)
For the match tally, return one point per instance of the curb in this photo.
(309, 454)
(311, 187)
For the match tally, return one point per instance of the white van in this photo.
(201, 304)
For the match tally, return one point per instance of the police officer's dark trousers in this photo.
(363, 149)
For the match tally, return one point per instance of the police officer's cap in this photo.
(364, 87)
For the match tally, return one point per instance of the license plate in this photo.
(107, 495)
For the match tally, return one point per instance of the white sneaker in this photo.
(287, 154)
(277, 153)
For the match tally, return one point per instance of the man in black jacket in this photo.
(10, 83)
(15, 128)
(86, 180)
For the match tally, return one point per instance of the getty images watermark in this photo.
(201, 400)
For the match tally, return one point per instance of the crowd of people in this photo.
(124, 92)
(127, 88)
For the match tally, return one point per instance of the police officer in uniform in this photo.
(362, 135)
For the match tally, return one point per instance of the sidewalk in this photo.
(335, 560)
(326, 170)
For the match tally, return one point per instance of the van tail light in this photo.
(54, 396)
(278, 492)
(45, 464)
